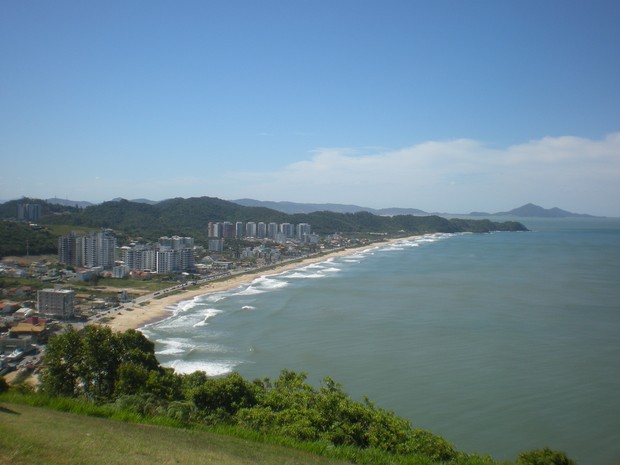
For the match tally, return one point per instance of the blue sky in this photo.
(441, 105)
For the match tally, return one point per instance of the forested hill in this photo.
(191, 217)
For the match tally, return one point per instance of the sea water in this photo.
(499, 342)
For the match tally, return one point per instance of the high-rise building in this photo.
(238, 229)
(67, 249)
(28, 211)
(228, 230)
(216, 245)
(272, 230)
(250, 229)
(88, 251)
(176, 242)
(287, 229)
(261, 230)
(303, 229)
(215, 230)
(57, 303)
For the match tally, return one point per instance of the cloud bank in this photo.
(461, 175)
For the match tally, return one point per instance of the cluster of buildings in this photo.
(169, 254)
(29, 212)
(97, 251)
(281, 233)
(88, 250)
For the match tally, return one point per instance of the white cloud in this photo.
(457, 176)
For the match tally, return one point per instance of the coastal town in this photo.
(98, 279)
(111, 265)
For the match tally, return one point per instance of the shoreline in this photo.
(158, 309)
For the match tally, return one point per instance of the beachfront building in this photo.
(272, 230)
(176, 242)
(261, 230)
(89, 250)
(56, 303)
(216, 245)
(250, 229)
(239, 229)
(215, 230)
(120, 271)
(287, 229)
(303, 229)
(170, 254)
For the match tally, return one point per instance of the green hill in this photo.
(37, 435)
(191, 216)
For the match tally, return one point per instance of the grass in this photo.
(35, 435)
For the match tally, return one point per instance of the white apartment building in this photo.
(56, 303)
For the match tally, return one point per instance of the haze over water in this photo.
(499, 342)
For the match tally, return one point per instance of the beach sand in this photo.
(157, 309)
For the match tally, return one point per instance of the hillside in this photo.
(37, 435)
(191, 217)
(22, 239)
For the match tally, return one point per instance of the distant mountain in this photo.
(291, 208)
(534, 211)
(191, 217)
(146, 201)
(69, 203)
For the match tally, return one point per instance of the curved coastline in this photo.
(160, 308)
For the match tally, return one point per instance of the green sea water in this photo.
(499, 342)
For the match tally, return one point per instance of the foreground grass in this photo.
(36, 435)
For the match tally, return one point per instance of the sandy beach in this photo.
(157, 309)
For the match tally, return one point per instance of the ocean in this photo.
(499, 342)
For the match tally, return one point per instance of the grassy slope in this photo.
(35, 435)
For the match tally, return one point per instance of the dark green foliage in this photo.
(20, 238)
(228, 394)
(293, 408)
(99, 364)
(191, 217)
(544, 456)
(3, 385)
(8, 210)
(102, 366)
(171, 217)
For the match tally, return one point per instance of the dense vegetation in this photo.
(191, 216)
(119, 372)
(8, 210)
(21, 239)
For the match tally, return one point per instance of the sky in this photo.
(441, 105)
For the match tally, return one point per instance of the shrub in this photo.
(4, 386)
(544, 456)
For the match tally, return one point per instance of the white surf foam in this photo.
(250, 290)
(214, 298)
(210, 368)
(331, 270)
(269, 283)
(174, 347)
(208, 313)
(248, 307)
(306, 275)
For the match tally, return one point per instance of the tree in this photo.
(544, 456)
(228, 394)
(100, 364)
(63, 364)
